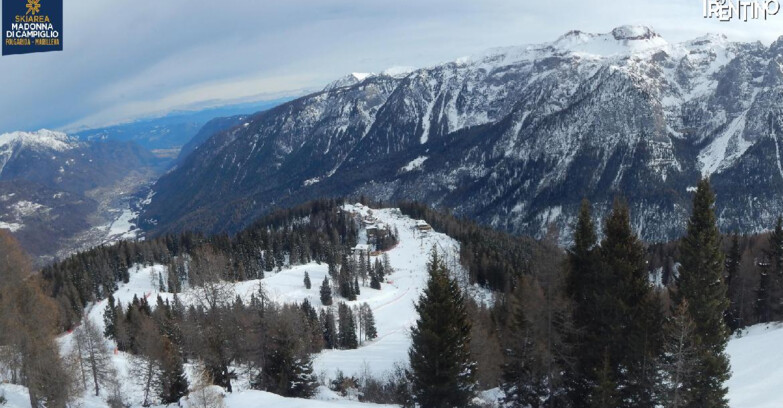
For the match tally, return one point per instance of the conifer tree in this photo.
(762, 305)
(110, 319)
(346, 338)
(326, 292)
(173, 381)
(387, 268)
(367, 320)
(442, 372)
(374, 283)
(733, 259)
(287, 369)
(775, 252)
(632, 311)
(378, 268)
(370, 331)
(329, 328)
(679, 358)
(775, 284)
(605, 394)
(522, 382)
(584, 286)
(700, 282)
(307, 283)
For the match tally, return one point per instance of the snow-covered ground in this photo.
(123, 227)
(757, 363)
(757, 367)
(393, 307)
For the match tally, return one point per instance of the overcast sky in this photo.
(125, 59)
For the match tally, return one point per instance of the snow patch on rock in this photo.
(414, 164)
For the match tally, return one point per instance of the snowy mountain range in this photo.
(514, 137)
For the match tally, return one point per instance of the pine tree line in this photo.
(314, 232)
(619, 344)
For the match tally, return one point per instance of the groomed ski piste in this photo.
(756, 360)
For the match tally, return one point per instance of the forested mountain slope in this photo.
(514, 138)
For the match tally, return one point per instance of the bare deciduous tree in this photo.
(93, 355)
(27, 328)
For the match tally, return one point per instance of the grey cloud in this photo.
(124, 59)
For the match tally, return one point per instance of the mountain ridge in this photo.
(513, 137)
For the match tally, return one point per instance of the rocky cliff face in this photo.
(515, 138)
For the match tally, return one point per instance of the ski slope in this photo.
(393, 305)
(756, 359)
(757, 367)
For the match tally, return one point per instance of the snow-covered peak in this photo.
(629, 32)
(713, 39)
(44, 138)
(623, 40)
(398, 71)
(348, 80)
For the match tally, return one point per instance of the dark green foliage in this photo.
(329, 328)
(346, 338)
(733, 259)
(288, 370)
(315, 231)
(307, 282)
(774, 282)
(584, 287)
(173, 381)
(370, 331)
(326, 292)
(523, 383)
(633, 312)
(617, 315)
(442, 372)
(763, 306)
(374, 282)
(605, 394)
(110, 319)
(367, 329)
(493, 258)
(701, 284)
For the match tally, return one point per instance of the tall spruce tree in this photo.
(733, 259)
(634, 311)
(329, 328)
(775, 255)
(326, 292)
(110, 319)
(584, 287)
(442, 372)
(173, 381)
(762, 305)
(523, 383)
(346, 338)
(700, 283)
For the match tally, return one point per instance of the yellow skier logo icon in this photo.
(33, 6)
